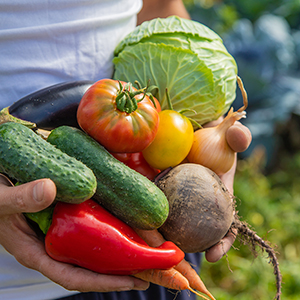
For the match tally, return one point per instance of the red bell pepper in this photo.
(89, 236)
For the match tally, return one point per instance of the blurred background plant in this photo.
(264, 38)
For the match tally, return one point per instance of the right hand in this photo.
(20, 240)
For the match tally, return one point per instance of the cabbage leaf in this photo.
(184, 57)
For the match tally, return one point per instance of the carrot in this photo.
(154, 238)
(171, 279)
(185, 268)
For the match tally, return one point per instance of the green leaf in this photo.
(163, 27)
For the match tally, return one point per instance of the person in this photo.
(44, 43)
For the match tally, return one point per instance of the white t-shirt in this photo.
(42, 43)
(45, 42)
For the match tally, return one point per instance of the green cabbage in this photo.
(184, 56)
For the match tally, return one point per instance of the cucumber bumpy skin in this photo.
(124, 192)
(25, 156)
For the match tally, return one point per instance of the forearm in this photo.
(162, 9)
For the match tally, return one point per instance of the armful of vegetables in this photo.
(198, 207)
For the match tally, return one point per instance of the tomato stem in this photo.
(148, 90)
(126, 101)
(120, 100)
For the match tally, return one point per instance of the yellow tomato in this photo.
(172, 142)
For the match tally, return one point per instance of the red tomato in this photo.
(123, 157)
(117, 116)
(137, 162)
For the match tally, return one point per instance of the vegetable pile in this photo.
(153, 189)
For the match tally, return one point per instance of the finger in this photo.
(216, 252)
(238, 137)
(83, 280)
(228, 178)
(29, 197)
(73, 277)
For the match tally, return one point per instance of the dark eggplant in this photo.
(53, 106)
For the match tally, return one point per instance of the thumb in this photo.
(28, 197)
(238, 137)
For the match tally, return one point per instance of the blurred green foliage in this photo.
(221, 15)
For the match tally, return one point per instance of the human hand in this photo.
(239, 138)
(20, 240)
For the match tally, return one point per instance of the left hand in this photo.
(21, 241)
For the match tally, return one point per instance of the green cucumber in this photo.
(124, 192)
(25, 156)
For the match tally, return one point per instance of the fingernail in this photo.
(38, 191)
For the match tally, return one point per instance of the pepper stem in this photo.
(43, 218)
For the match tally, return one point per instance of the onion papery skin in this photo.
(211, 150)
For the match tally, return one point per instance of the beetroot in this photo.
(202, 211)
